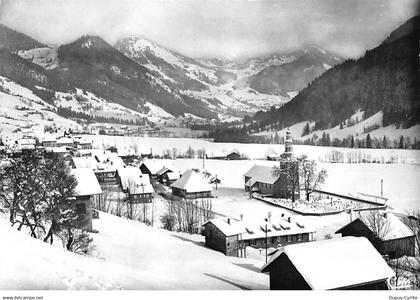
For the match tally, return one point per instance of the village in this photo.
(282, 218)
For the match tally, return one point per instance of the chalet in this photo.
(82, 143)
(262, 179)
(26, 143)
(65, 142)
(83, 162)
(135, 184)
(232, 237)
(87, 187)
(349, 263)
(112, 149)
(62, 151)
(151, 167)
(106, 174)
(49, 142)
(233, 155)
(81, 152)
(389, 235)
(191, 185)
(167, 176)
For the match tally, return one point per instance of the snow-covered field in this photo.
(252, 151)
(130, 255)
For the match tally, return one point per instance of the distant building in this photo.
(82, 143)
(87, 187)
(191, 185)
(233, 155)
(26, 143)
(65, 142)
(49, 142)
(385, 231)
(232, 237)
(83, 162)
(348, 263)
(112, 149)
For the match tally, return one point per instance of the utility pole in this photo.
(382, 187)
(266, 240)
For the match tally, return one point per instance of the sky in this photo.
(229, 29)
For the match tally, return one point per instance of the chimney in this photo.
(228, 221)
(289, 219)
(242, 217)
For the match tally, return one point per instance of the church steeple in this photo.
(288, 144)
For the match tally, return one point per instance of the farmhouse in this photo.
(191, 185)
(135, 184)
(49, 142)
(151, 167)
(87, 187)
(385, 231)
(83, 162)
(65, 142)
(82, 143)
(232, 237)
(26, 143)
(263, 180)
(349, 263)
(167, 176)
(233, 155)
(112, 149)
(106, 174)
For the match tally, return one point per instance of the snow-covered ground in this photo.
(252, 151)
(130, 255)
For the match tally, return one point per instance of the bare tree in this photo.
(310, 178)
(206, 207)
(289, 170)
(377, 223)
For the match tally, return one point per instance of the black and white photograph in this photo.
(209, 145)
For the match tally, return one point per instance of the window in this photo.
(273, 240)
(253, 242)
(289, 238)
(299, 237)
(228, 244)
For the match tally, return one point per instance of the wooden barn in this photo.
(232, 237)
(87, 187)
(385, 231)
(151, 167)
(233, 155)
(349, 263)
(135, 184)
(167, 176)
(191, 185)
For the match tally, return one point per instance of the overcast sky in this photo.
(215, 28)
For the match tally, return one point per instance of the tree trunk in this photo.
(70, 240)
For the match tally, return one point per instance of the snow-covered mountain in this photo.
(137, 78)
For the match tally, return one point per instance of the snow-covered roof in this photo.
(153, 165)
(192, 182)
(262, 174)
(254, 230)
(133, 180)
(26, 141)
(65, 141)
(336, 263)
(84, 162)
(388, 226)
(56, 149)
(87, 184)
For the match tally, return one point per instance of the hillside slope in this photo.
(385, 79)
(130, 255)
